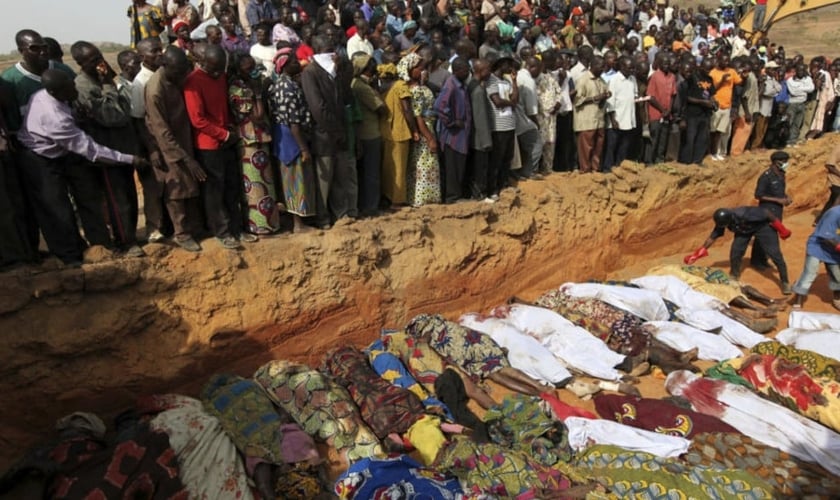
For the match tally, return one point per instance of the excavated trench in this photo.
(95, 338)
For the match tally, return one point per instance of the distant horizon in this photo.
(68, 22)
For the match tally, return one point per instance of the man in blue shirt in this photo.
(823, 246)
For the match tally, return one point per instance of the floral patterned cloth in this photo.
(791, 477)
(620, 330)
(477, 354)
(816, 364)
(257, 172)
(210, 466)
(790, 385)
(323, 408)
(423, 165)
(636, 474)
(386, 408)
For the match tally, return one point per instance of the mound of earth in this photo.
(97, 337)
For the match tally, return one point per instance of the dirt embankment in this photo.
(97, 337)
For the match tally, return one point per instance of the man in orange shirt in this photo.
(724, 78)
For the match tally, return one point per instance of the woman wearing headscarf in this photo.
(247, 104)
(398, 129)
(292, 125)
(423, 166)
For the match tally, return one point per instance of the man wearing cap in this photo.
(747, 223)
(770, 191)
(769, 88)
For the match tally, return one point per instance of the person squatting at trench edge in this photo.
(304, 116)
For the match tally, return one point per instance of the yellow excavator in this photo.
(776, 11)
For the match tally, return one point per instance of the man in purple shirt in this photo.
(232, 41)
(54, 144)
(454, 125)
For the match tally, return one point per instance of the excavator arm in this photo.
(778, 10)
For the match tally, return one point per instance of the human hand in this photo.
(788, 201)
(140, 163)
(194, 169)
(305, 156)
(105, 72)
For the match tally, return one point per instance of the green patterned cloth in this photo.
(521, 424)
(635, 474)
(320, 406)
(247, 415)
(499, 472)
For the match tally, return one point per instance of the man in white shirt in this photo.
(798, 86)
(151, 54)
(770, 88)
(359, 42)
(585, 54)
(621, 114)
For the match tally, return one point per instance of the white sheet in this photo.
(679, 292)
(825, 342)
(731, 330)
(645, 304)
(585, 432)
(683, 338)
(573, 345)
(813, 320)
(524, 353)
(761, 419)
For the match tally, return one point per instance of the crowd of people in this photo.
(240, 118)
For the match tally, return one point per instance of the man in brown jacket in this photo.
(169, 126)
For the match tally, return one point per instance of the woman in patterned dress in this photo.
(292, 123)
(247, 105)
(423, 166)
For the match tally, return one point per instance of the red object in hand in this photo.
(837, 248)
(784, 233)
(698, 254)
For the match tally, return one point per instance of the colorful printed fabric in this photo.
(299, 481)
(657, 416)
(635, 474)
(210, 466)
(423, 166)
(390, 368)
(520, 423)
(792, 478)
(490, 469)
(385, 407)
(298, 185)
(620, 330)
(247, 415)
(422, 361)
(816, 364)
(791, 386)
(474, 352)
(398, 478)
(140, 464)
(323, 408)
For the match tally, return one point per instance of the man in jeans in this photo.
(823, 246)
(206, 99)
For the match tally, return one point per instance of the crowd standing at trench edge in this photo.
(241, 119)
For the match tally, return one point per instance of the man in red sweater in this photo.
(215, 140)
